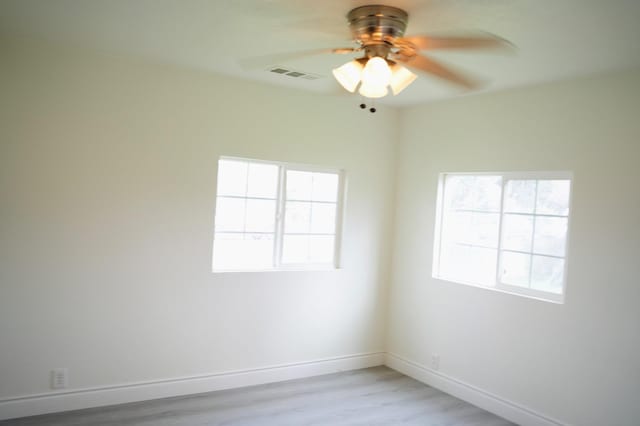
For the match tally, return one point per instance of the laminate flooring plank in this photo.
(367, 397)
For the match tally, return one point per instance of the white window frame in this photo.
(498, 285)
(281, 198)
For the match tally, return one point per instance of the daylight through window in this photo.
(275, 216)
(507, 231)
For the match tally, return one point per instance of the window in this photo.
(506, 231)
(275, 216)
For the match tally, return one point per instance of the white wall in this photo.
(579, 362)
(107, 188)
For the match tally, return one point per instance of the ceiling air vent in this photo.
(293, 73)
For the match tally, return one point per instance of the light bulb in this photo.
(376, 72)
(373, 91)
(348, 75)
(400, 78)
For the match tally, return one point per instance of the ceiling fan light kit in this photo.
(373, 72)
(349, 74)
(371, 26)
(401, 78)
(379, 31)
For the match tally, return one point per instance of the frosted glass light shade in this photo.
(376, 72)
(374, 75)
(348, 75)
(373, 91)
(400, 78)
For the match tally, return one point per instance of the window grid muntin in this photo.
(473, 210)
(278, 234)
(531, 253)
(309, 201)
(245, 197)
(507, 176)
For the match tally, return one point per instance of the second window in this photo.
(275, 216)
(507, 231)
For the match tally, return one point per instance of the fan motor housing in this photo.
(377, 24)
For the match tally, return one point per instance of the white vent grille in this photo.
(291, 73)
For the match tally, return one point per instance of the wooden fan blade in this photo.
(258, 62)
(345, 50)
(480, 41)
(422, 63)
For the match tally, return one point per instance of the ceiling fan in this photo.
(379, 32)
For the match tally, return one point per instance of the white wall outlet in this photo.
(59, 378)
(435, 361)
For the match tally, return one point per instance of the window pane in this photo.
(458, 192)
(295, 249)
(473, 192)
(258, 250)
(321, 249)
(453, 259)
(261, 215)
(487, 191)
(515, 269)
(238, 251)
(297, 217)
(483, 265)
(517, 232)
(299, 185)
(547, 274)
(484, 227)
(553, 197)
(520, 196)
(325, 187)
(472, 228)
(232, 177)
(263, 180)
(550, 235)
(323, 218)
(230, 214)
(456, 226)
(468, 264)
(226, 250)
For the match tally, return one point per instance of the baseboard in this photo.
(469, 393)
(31, 405)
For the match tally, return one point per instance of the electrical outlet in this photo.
(435, 361)
(59, 378)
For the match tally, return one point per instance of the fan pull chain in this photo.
(363, 105)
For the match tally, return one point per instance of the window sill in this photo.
(292, 269)
(557, 299)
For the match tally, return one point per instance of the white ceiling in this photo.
(555, 39)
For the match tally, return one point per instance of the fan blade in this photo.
(430, 66)
(345, 50)
(257, 62)
(484, 41)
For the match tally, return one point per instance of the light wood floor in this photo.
(373, 396)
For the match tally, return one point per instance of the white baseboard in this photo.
(31, 405)
(469, 393)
